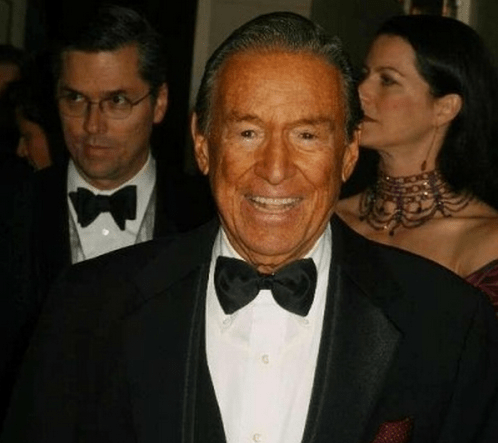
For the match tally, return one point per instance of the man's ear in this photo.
(201, 148)
(350, 156)
(161, 103)
(447, 108)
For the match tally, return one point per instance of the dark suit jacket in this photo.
(119, 353)
(35, 248)
(51, 229)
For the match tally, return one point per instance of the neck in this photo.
(414, 158)
(395, 166)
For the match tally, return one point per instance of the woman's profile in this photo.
(430, 99)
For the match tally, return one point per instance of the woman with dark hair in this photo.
(32, 97)
(430, 101)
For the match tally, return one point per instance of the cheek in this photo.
(400, 106)
(232, 165)
(72, 128)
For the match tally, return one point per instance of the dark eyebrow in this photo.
(388, 68)
(235, 117)
(315, 121)
(66, 88)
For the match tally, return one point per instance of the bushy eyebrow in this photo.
(318, 121)
(235, 117)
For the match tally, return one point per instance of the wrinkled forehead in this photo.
(276, 79)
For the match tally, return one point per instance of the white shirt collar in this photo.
(321, 255)
(144, 180)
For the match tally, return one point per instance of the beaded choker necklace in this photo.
(409, 201)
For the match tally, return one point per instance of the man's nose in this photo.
(95, 120)
(275, 162)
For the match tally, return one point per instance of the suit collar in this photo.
(358, 343)
(183, 254)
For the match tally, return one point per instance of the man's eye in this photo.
(72, 96)
(118, 100)
(307, 136)
(248, 133)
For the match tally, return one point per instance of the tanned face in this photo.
(276, 154)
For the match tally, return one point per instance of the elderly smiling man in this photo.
(275, 323)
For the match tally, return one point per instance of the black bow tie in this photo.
(237, 283)
(122, 205)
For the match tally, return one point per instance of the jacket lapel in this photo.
(169, 377)
(356, 350)
(357, 346)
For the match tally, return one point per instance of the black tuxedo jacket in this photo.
(119, 352)
(51, 212)
(35, 247)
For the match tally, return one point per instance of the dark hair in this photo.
(114, 27)
(280, 31)
(453, 59)
(32, 96)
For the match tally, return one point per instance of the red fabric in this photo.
(486, 279)
(394, 431)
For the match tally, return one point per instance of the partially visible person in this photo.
(12, 60)
(430, 98)
(110, 92)
(276, 322)
(33, 142)
(40, 133)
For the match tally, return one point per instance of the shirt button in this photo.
(257, 437)
(265, 359)
(105, 231)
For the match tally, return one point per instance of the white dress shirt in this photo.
(262, 358)
(103, 234)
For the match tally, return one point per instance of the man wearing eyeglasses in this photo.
(111, 91)
(109, 97)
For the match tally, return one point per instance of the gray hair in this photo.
(287, 32)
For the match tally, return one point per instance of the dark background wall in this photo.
(483, 17)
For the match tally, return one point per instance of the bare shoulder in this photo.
(478, 239)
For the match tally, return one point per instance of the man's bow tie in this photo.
(122, 205)
(237, 283)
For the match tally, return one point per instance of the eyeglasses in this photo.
(117, 106)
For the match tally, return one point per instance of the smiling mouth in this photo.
(272, 204)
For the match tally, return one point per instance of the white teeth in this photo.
(274, 201)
